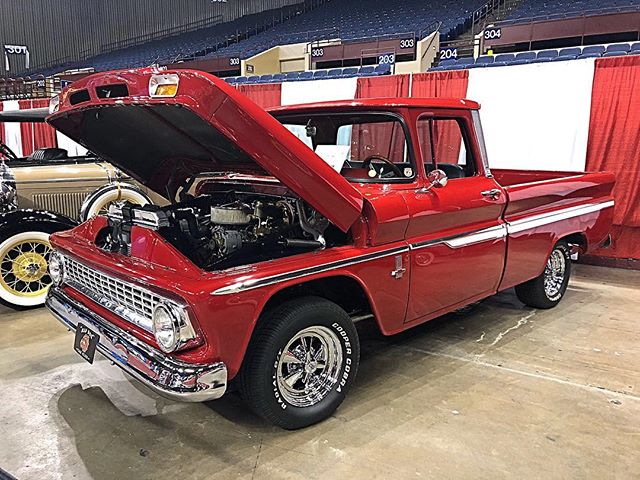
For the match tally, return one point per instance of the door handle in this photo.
(493, 194)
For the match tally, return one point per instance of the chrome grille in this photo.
(130, 302)
(66, 203)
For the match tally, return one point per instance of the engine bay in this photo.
(226, 228)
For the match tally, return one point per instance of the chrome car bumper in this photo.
(167, 376)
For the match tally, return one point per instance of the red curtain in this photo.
(450, 84)
(388, 86)
(614, 145)
(386, 139)
(266, 95)
(44, 136)
(36, 135)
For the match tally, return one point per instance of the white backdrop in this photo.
(318, 90)
(12, 135)
(74, 149)
(535, 117)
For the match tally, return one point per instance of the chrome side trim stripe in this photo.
(493, 233)
(547, 218)
(304, 272)
(459, 241)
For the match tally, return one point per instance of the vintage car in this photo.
(47, 192)
(316, 216)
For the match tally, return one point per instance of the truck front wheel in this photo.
(300, 363)
(546, 290)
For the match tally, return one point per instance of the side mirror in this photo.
(437, 179)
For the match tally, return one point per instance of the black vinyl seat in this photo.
(451, 170)
(44, 154)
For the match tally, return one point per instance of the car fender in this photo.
(53, 222)
(91, 198)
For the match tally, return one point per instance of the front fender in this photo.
(53, 222)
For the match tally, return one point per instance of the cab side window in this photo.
(444, 146)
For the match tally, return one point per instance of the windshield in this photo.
(367, 147)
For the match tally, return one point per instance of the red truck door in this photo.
(456, 233)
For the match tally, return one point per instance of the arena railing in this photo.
(24, 88)
(570, 15)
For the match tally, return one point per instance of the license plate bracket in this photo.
(85, 342)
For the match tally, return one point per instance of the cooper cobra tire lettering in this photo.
(276, 392)
(300, 363)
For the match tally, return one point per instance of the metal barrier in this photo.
(23, 88)
(571, 15)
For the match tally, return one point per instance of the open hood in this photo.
(35, 115)
(194, 125)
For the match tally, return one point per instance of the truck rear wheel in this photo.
(300, 363)
(546, 290)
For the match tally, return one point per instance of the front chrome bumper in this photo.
(167, 376)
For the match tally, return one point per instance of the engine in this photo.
(8, 194)
(223, 229)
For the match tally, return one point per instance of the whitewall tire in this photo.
(98, 202)
(24, 262)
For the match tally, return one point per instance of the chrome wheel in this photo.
(309, 366)
(554, 273)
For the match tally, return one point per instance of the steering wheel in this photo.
(7, 152)
(394, 168)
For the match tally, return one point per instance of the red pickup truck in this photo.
(286, 227)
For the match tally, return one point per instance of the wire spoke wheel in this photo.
(309, 366)
(24, 261)
(554, 273)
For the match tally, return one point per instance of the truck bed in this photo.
(541, 205)
(532, 192)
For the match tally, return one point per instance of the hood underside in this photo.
(208, 127)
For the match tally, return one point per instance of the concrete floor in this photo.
(497, 391)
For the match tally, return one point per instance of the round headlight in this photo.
(166, 328)
(56, 267)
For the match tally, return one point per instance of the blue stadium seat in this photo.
(230, 79)
(564, 58)
(635, 48)
(334, 73)
(350, 72)
(292, 76)
(559, 9)
(279, 77)
(305, 76)
(353, 19)
(382, 70)
(465, 62)
(593, 50)
(483, 61)
(546, 55)
(318, 74)
(525, 56)
(241, 79)
(570, 52)
(448, 61)
(618, 47)
(505, 57)
(253, 79)
(615, 54)
(366, 71)
(266, 78)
